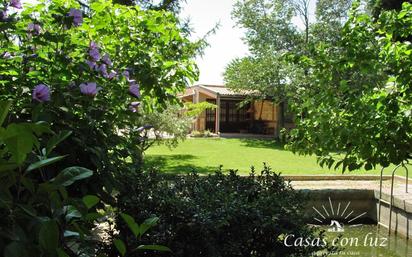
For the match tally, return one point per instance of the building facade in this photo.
(232, 114)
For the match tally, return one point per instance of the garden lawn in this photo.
(205, 155)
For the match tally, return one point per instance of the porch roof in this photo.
(216, 90)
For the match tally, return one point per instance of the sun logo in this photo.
(331, 216)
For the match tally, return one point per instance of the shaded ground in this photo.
(206, 155)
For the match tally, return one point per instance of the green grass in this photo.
(205, 155)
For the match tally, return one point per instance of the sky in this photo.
(226, 44)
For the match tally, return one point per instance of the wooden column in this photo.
(195, 101)
(217, 120)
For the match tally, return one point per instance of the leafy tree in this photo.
(87, 71)
(84, 70)
(254, 75)
(330, 18)
(268, 25)
(377, 6)
(269, 34)
(168, 5)
(169, 125)
(272, 36)
(357, 97)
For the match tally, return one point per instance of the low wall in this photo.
(362, 208)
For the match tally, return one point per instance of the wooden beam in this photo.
(195, 101)
(217, 119)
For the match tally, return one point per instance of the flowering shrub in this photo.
(87, 69)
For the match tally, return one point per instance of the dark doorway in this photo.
(211, 117)
(234, 117)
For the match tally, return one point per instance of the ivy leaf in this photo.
(72, 174)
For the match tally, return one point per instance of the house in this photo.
(233, 115)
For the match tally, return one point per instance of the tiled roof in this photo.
(222, 90)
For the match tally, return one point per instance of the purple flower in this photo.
(41, 93)
(103, 70)
(134, 89)
(77, 16)
(106, 60)
(112, 74)
(92, 65)
(6, 55)
(34, 28)
(92, 45)
(3, 15)
(94, 54)
(89, 88)
(126, 74)
(134, 106)
(15, 4)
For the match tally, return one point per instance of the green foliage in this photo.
(330, 18)
(167, 126)
(271, 34)
(138, 231)
(80, 68)
(215, 215)
(356, 97)
(263, 76)
(39, 216)
(195, 109)
(378, 6)
(349, 82)
(149, 45)
(268, 24)
(169, 5)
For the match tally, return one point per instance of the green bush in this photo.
(39, 216)
(216, 215)
(42, 212)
